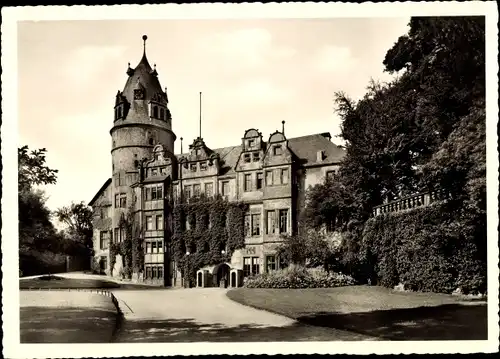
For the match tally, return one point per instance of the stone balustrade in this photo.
(410, 202)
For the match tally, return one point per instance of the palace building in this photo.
(269, 174)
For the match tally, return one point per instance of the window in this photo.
(269, 178)
(203, 166)
(154, 272)
(247, 225)
(117, 200)
(277, 150)
(154, 172)
(160, 246)
(151, 141)
(163, 171)
(117, 236)
(251, 143)
(283, 220)
(330, 174)
(197, 152)
(162, 113)
(104, 239)
(248, 183)
(187, 191)
(155, 111)
(271, 222)
(270, 263)
(246, 157)
(256, 157)
(156, 193)
(159, 222)
(160, 272)
(284, 176)
(153, 247)
(255, 224)
(123, 234)
(197, 190)
(148, 247)
(209, 189)
(225, 188)
(149, 223)
(148, 272)
(193, 167)
(259, 180)
(250, 266)
(120, 200)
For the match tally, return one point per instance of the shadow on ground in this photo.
(188, 330)
(444, 322)
(66, 325)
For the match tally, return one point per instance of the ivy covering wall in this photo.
(205, 228)
(426, 249)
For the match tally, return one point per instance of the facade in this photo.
(270, 174)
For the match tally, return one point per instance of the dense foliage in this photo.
(295, 277)
(425, 249)
(42, 248)
(78, 218)
(210, 230)
(423, 130)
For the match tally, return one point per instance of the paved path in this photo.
(206, 314)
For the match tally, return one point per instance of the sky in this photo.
(252, 73)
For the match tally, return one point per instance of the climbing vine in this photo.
(210, 230)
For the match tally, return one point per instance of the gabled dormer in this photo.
(200, 161)
(162, 163)
(158, 107)
(252, 150)
(277, 151)
(121, 106)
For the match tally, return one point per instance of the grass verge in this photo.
(374, 311)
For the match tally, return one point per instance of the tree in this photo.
(32, 169)
(78, 218)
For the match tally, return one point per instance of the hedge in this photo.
(426, 249)
(297, 277)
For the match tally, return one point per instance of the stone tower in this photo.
(141, 121)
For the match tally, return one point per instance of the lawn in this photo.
(66, 317)
(374, 311)
(56, 282)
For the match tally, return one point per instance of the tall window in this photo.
(271, 222)
(148, 272)
(197, 190)
(250, 266)
(255, 224)
(209, 189)
(225, 188)
(104, 239)
(154, 248)
(117, 236)
(187, 191)
(248, 182)
(159, 222)
(162, 113)
(247, 225)
(271, 264)
(154, 272)
(283, 220)
(259, 180)
(284, 176)
(156, 193)
(120, 200)
(160, 272)
(148, 247)
(269, 178)
(149, 223)
(123, 234)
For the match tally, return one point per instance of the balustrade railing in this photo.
(410, 202)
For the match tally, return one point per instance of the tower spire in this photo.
(283, 127)
(200, 114)
(144, 38)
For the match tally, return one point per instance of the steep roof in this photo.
(103, 188)
(306, 149)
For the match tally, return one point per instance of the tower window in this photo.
(155, 111)
(151, 142)
(119, 112)
(162, 114)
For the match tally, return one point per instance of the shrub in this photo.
(296, 277)
(426, 249)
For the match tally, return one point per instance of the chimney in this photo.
(319, 156)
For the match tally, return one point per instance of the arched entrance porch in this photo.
(221, 275)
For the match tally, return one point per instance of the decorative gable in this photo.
(277, 151)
